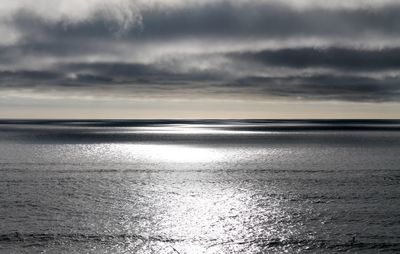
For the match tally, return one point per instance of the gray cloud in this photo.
(211, 49)
(327, 87)
(260, 19)
(122, 77)
(28, 79)
(129, 78)
(351, 59)
(224, 19)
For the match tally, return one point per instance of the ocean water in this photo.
(199, 186)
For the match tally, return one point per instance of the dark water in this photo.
(199, 186)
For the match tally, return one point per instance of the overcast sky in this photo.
(199, 59)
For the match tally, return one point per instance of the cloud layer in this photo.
(310, 50)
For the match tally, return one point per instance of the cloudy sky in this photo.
(199, 59)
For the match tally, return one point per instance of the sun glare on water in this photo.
(170, 153)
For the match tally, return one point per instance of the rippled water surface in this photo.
(199, 187)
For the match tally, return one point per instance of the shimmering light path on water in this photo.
(211, 188)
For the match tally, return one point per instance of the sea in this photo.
(199, 186)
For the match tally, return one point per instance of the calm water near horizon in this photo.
(199, 186)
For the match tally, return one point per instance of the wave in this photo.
(57, 237)
(314, 244)
(274, 243)
(76, 168)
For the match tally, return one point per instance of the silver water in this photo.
(198, 188)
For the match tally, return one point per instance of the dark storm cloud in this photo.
(121, 76)
(337, 58)
(95, 54)
(224, 19)
(26, 79)
(140, 73)
(127, 78)
(327, 87)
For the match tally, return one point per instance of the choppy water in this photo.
(199, 186)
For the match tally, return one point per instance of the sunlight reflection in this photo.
(172, 153)
(208, 213)
(194, 202)
(190, 129)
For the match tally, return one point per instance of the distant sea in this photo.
(156, 186)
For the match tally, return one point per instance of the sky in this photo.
(199, 59)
